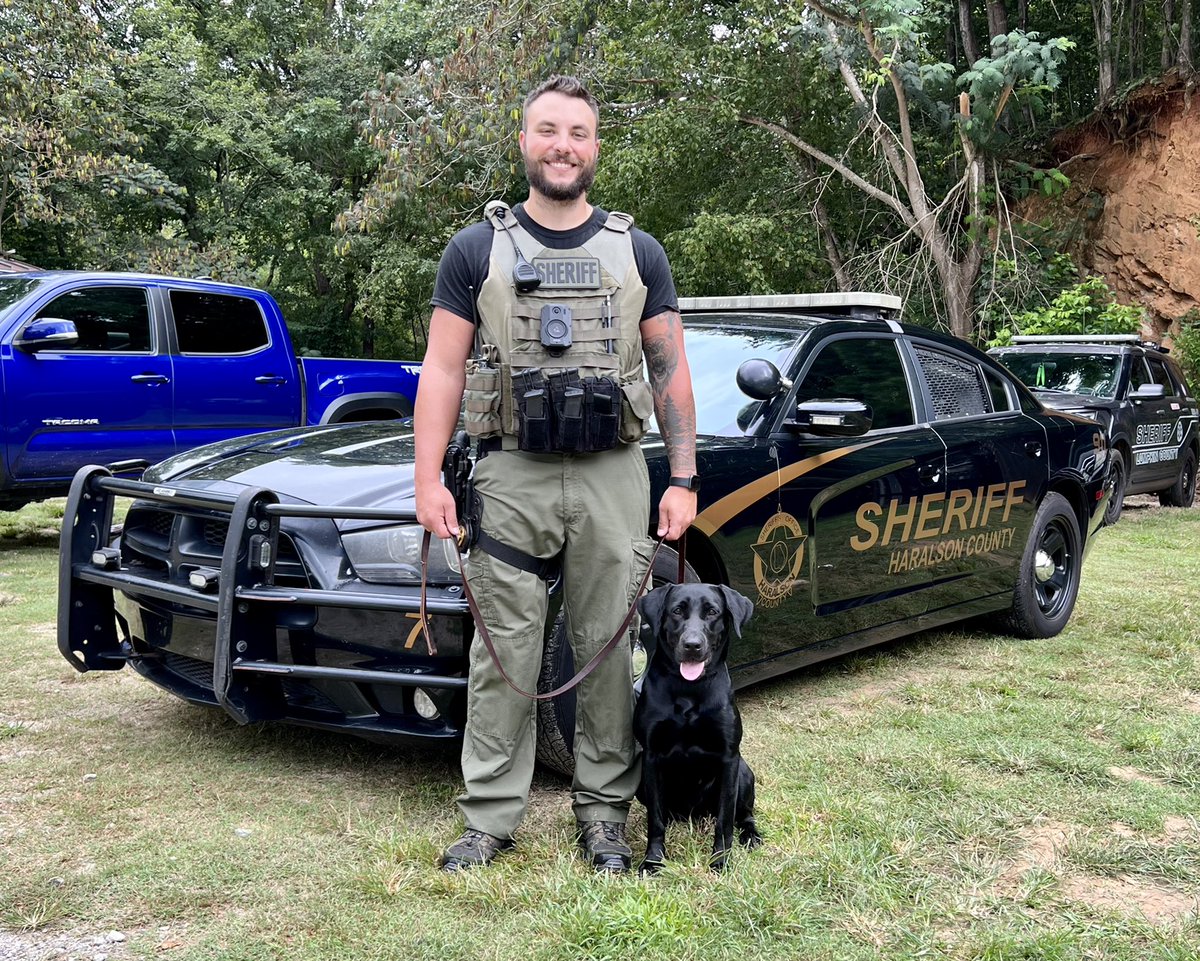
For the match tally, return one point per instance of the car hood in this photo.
(1060, 400)
(348, 465)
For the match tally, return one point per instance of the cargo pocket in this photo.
(637, 407)
(481, 401)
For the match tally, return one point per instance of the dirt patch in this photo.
(1128, 895)
(1192, 704)
(62, 946)
(6, 599)
(1042, 847)
(1132, 774)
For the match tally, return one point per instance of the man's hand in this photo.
(436, 510)
(676, 511)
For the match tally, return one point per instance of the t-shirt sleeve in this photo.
(461, 273)
(655, 271)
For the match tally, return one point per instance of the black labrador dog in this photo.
(688, 723)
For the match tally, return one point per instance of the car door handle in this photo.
(931, 473)
(270, 379)
(150, 379)
(1033, 448)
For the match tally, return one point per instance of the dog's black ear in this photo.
(651, 607)
(737, 607)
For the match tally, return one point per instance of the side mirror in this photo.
(761, 380)
(46, 333)
(1149, 392)
(840, 417)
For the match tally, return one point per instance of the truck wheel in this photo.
(1183, 491)
(1048, 580)
(1118, 480)
(556, 717)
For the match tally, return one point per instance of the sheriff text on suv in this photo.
(1136, 392)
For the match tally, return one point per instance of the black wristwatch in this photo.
(691, 483)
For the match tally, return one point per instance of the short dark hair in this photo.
(568, 86)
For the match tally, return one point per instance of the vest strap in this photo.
(618, 222)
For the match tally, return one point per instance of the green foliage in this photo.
(1186, 347)
(1084, 308)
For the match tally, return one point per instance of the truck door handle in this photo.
(932, 473)
(1033, 448)
(270, 379)
(150, 379)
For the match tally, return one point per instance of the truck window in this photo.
(107, 318)
(218, 323)
(1138, 374)
(866, 369)
(955, 385)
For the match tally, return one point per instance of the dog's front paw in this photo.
(648, 868)
(749, 836)
(718, 860)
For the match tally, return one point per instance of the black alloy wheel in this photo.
(1048, 580)
(1183, 492)
(1118, 480)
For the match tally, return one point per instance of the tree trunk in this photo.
(1168, 24)
(967, 32)
(1102, 19)
(1184, 60)
(997, 18)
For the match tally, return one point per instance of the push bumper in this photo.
(241, 607)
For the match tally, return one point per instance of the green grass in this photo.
(959, 794)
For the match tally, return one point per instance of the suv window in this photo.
(107, 318)
(866, 369)
(1138, 375)
(218, 323)
(955, 385)
(1158, 370)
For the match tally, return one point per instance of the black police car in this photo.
(1132, 389)
(862, 480)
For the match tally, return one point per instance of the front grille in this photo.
(178, 543)
(190, 669)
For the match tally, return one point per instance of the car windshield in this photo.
(714, 354)
(1092, 375)
(13, 287)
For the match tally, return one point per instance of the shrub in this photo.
(1086, 308)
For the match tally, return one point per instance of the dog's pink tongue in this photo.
(691, 670)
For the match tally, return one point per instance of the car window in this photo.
(1181, 385)
(1090, 374)
(955, 384)
(1138, 375)
(866, 369)
(997, 391)
(107, 318)
(218, 323)
(1158, 370)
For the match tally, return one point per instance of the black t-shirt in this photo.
(464, 263)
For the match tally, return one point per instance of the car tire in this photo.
(556, 717)
(1183, 492)
(1048, 579)
(1118, 480)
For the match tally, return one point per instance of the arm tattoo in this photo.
(672, 399)
(662, 360)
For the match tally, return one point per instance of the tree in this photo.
(66, 147)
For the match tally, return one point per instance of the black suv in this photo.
(1136, 392)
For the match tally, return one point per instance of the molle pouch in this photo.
(637, 407)
(535, 412)
(566, 393)
(481, 400)
(602, 405)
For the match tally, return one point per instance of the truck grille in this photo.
(178, 543)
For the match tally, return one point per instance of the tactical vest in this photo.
(599, 282)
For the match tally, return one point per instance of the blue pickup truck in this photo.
(114, 367)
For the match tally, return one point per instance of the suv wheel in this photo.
(1183, 491)
(556, 717)
(1118, 479)
(1048, 581)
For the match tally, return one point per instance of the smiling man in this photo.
(542, 317)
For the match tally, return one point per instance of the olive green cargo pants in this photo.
(597, 507)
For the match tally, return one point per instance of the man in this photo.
(576, 297)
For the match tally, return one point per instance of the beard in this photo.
(559, 191)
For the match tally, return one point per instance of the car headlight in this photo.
(392, 555)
